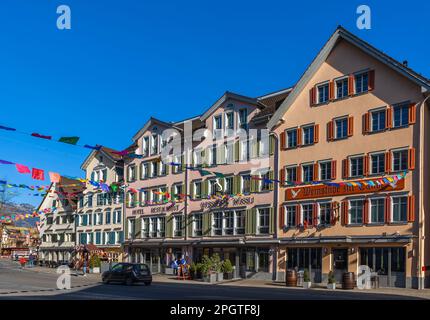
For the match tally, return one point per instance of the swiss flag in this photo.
(37, 174)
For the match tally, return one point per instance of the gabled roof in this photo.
(229, 95)
(151, 122)
(108, 152)
(342, 33)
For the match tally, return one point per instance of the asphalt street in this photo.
(28, 284)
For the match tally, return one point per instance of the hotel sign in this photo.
(157, 209)
(321, 191)
(223, 203)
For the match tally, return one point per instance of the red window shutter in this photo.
(315, 214)
(389, 117)
(366, 165)
(316, 172)
(333, 169)
(282, 176)
(371, 77)
(312, 96)
(281, 217)
(345, 168)
(411, 208)
(351, 85)
(345, 209)
(387, 210)
(299, 136)
(331, 90)
(283, 141)
(316, 133)
(412, 113)
(330, 131)
(366, 211)
(411, 159)
(388, 162)
(350, 126)
(334, 207)
(366, 123)
(297, 214)
(299, 174)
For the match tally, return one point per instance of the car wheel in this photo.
(105, 280)
(129, 281)
(147, 283)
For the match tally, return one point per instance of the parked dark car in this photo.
(128, 273)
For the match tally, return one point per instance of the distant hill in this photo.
(10, 208)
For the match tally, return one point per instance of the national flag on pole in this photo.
(21, 168)
(37, 135)
(37, 174)
(69, 140)
(54, 177)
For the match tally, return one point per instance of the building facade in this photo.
(353, 125)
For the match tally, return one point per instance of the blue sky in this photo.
(124, 61)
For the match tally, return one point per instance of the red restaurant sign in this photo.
(321, 191)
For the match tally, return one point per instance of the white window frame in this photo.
(336, 87)
(369, 209)
(371, 155)
(393, 197)
(318, 92)
(392, 158)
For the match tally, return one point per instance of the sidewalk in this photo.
(90, 276)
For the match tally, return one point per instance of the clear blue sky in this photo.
(124, 61)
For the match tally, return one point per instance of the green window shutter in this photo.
(205, 188)
(192, 190)
(172, 193)
(254, 220)
(271, 177)
(248, 221)
(271, 221)
(190, 225)
(137, 228)
(236, 184)
(237, 151)
(126, 228)
(167, 169)
(207, 224)
(254, 148)
(271, 144)
(169, 226)
(254, 185)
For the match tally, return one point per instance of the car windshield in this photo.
(141, 267)
(117, 267)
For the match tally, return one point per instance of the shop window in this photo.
(263, 260)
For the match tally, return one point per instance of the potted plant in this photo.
(198, 270)
(193, 271)
(217, 267)
(331, 281)
(306, 279)
(227, 269)
(95, 264)
(207, 270)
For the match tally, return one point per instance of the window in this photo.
(308, 173)
(341, 126)
(145, 146)
(228, 189)
(240, 222)
(99, 218)
(377, 210)
(130, 232)
(244, 150)
(308, 135)
(229, 222)
(378, 119)
(90, 201)
(400, 209)
(378, 163)
(154, 227)
(245, 183)
(356, 166)
(144, 171)
(265, 183)
(117, 216)
(213, 187)
(81, 202)
(179, 223)
(108, 217)
(163, 168)
(356, 211)
(198, 190)
(325, 170)
(154, 171)
(323, 94)
(325, 213)
(292, 138)
(217, 126)
(263, 220)
(400, 160)
(307, 210)
(229, 153)
(98, 237)
(290, 216)
(217, 223)
(144, 197)
(401, 116)
(178, 191)
(214, 155)
(243, 121)
(198, 225)
(145, 227)
(154, 144)
(132, 173)
(361, 82)
(162, 227)
(342, 88)
(229, 120)
(291, 174)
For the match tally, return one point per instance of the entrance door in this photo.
(340, 263)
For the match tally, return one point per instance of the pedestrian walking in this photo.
(85, 268)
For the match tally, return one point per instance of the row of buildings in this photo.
(285, 180)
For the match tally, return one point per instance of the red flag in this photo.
(41, 136)
(38, 174)
(55, 177)
(21, 168)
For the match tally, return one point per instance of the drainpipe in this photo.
(421, 215)
(275, 202)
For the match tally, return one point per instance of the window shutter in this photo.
(190, 220)
(389, 117)
(345, 209)
(366, 161)
(236, 184)
(411, 208)
(330, 131)
(254, 182)
(281, 217)
(366, 211)
(282, 176)
(331, 90)
(316, 173)
(351, 85)
(371, 76)
(411, 159)
(316, 133)
(191, 190)
(271, 145)
(283, 140)
(412, 113)
(387, 210)
(333, 207)
(350, 126)
(315, 214)
(333, 169)
(271, 177)
(205, 188)
(299, 136)
(298, 174)
(297, 214)
(366, 123)
(206, 223)
(345, 168)
(312, 96)
(388, 162)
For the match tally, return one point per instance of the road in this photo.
(42, 285)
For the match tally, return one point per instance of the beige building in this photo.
(356, 115)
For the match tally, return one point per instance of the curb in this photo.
(45, 290)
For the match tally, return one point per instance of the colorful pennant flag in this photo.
(37, 174)
(7, 128)
(22, 168)
(5, 162)
(54, 177)
(96, 147)
(69, 140)
(37, 135)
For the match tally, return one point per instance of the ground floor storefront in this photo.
(56, 254)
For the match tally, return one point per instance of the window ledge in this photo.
(355, 225)
(375, 224)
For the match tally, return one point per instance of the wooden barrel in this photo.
(291, 278)
(348, 282)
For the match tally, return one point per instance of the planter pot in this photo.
(331, 286)
(228, 275)
(307, 284)
(95, 270)
(211, 278)
(220, 276)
